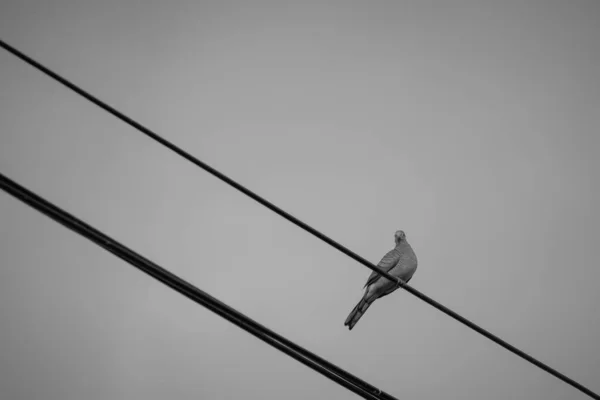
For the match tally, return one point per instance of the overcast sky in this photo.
(471, 125)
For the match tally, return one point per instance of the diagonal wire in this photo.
(297, 222)
(295, 351)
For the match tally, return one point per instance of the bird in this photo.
(400, 262)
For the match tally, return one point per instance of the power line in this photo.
(293, 350)
(296, 221)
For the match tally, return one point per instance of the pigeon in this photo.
(400, 262)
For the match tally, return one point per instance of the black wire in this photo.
(297, 222)
(295, 351)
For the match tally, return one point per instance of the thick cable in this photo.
(263, 333)
(297, 222)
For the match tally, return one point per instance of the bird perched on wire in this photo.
(400, 262)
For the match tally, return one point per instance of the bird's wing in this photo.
(386, 264)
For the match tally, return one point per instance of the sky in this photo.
(471, 125)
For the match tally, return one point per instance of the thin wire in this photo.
(295, 351)
(297, 222)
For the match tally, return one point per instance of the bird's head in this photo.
(399, 236)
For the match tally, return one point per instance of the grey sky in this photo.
(471, 125)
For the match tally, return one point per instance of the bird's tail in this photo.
(357, 312)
